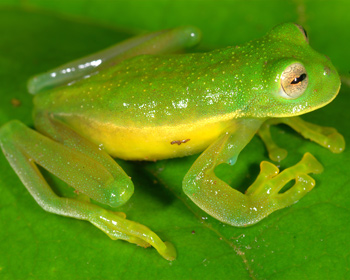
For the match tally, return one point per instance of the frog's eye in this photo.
(294, 81)
(303, 31)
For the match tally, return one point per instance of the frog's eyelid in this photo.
(302, 30)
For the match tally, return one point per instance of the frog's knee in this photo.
(11, 126)
(12, 130)
(119, 192)
(193, 35)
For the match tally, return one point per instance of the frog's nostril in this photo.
(326, 71)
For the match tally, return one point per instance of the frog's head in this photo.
(296, 79)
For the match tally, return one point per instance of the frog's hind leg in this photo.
(164, 41)
(327, 137)
(95, 175)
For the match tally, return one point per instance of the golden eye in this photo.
(294, 81)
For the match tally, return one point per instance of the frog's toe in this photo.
(169, 253)
(309, 164)
(277, 154)
(262, 185)
(335, 142)
(303, 184)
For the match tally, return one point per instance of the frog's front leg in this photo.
(327, 137)
(84, 167)
(262, 198)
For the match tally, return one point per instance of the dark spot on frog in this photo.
(15, 102)
(179, 142)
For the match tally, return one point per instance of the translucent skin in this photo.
(144, 106)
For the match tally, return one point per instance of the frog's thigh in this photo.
(327, 137)
(24, 148)
(164, 41)
(262, 197)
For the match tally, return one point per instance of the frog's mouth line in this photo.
(327, 102)
(300, 110)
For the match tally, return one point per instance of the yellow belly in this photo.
(153, 143)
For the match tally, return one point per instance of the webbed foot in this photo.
(264, 193)
(116, 226)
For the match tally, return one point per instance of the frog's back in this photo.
(148, 89)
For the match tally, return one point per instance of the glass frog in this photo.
(142, 100)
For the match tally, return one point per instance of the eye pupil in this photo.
(299, 79)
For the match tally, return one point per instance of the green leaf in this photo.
(308, 240)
